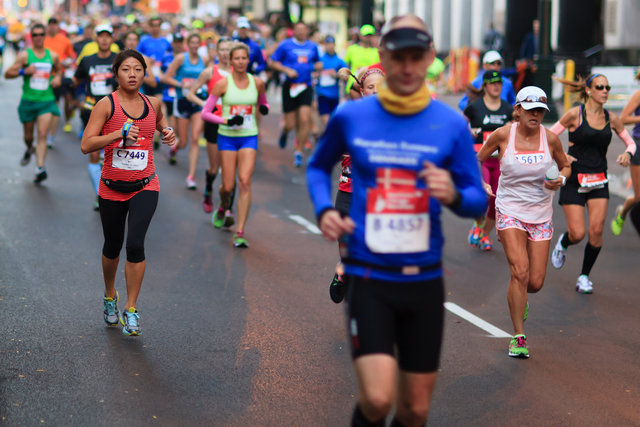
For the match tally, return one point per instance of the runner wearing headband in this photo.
(368, 82)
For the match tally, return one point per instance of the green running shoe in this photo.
(239, 241)
(218, 218)
(518, 347)
(617, 223)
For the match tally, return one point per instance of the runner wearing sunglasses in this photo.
(590, 126)
(524, 201)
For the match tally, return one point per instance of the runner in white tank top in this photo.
(524, 201)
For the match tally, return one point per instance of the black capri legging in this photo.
(113, 215)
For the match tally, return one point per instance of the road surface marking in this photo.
(472, 318)
(305, 223)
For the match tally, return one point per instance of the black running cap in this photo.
(402, 38)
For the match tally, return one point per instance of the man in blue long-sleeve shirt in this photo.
(256, 59)
(411, 156)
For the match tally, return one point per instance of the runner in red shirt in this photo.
(123, 123)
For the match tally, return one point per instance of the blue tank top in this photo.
(636, 129)
(188, 72)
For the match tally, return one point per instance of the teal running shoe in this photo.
(130, 322)
(518, 347)
(111, 313)
(475, 235)
(218, 218)
(297, 159)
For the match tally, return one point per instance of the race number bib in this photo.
(128, 159)
(591, 180)
(40, 79)
(69, 72)
(296, 89)
(99, 86)
(530, 157)
(327, 79)
(156, 69)
(246, 111)
(171, 92)
(186, 85)
(397, 216)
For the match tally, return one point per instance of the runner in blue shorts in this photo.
(237, 134)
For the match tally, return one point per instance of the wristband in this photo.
(564, 180)
(167, 128)
(125, 130)
(629, 153)
(456, 201)
(21, 72)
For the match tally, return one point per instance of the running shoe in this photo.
(282, 142)
(111, 313)
(584, 285)
(618, 222)
(191, 183)
(526, 312)
(130, 322)
(518, 347)
(228, 219)
(475, 235)
(485, 243)
(297, 159)
(50, 141)
(207, 203)
(172, 156)
(26, 158)
(218, 218)
(239, 241)
(67, 128)
(559, 254)
(337, 289)
(40, 176)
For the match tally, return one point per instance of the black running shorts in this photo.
(569, 194)
(290, 104)
(211, 132)
(404, 320)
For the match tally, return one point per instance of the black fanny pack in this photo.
(407, 270)
(128, 186)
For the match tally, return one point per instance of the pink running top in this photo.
(521, 193)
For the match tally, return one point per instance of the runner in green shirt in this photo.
(39, 68)
(362, 54)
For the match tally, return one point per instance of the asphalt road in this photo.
(250, 337)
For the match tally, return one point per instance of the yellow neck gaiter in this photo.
(403, 105)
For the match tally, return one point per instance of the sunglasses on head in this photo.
(37, 34)
(602, 87)
(534, 98)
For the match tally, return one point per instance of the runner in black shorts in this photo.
(590, 127)
(394, 254)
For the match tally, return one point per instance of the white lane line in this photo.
(306, 224)
(475, 320)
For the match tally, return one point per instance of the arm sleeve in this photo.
(262, 100)
(557, 128)
(463, 102)
(466, 177)
(628, 141)
(511, 96)
(330, 148)
(207, 111)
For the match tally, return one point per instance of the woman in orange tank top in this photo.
(123, 123)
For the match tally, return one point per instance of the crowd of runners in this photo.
(404, 156)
